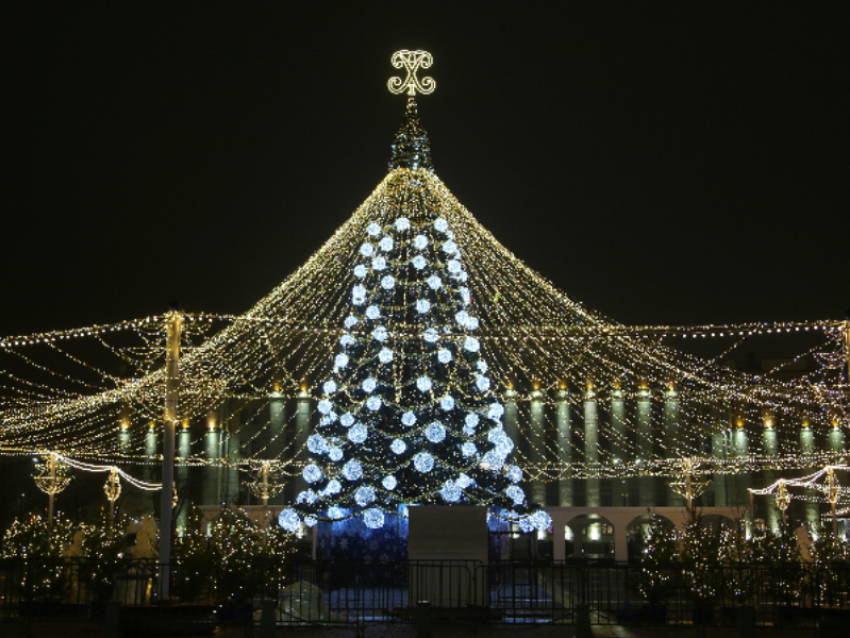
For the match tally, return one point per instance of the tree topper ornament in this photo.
(412, 61)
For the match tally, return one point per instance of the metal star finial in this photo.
(412, 61)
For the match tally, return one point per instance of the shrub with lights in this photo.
(40, 546)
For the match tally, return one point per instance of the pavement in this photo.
(87, 629)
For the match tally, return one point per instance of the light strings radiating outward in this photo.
(554, 365)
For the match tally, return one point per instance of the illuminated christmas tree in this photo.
(408, 413)
(658, 562)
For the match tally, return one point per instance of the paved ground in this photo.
(84, 629)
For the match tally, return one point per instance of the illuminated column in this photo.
(233, 445)
(277, 421)
(619, 446)
(564, 446)
(646, 484)
(537, 453)
(210, 488)
(302, 431)
(672, 447)
(591, 443)
(741, 448)
(151, 452)
(770, 447)
(720, 450)
(181, 473)
(124, 429)
(510, 424)
(807, 446)
(835, 440)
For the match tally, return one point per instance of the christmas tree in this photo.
(658, 562)
(700, 550)
(781, 552)
(107, 547)
(408, 414)
(40, 546)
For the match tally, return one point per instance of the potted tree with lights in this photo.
(34, 551)
(659, 569)
(700, 558)
(736, 556)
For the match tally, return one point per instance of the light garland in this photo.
(549, 360)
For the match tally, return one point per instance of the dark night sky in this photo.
(663, 163)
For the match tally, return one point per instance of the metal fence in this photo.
(316, 592)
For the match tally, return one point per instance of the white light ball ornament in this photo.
(423, 462)
(468, 449)
(352, 470)
(386, 244)
(311, 473)
(424, 384)
(325, 406)
(374, 403)
(385, 355)
(451, 492)
(373, 229)
(434, 282)
(471, 344)
(307, 496)
(447, 403)
(441, 224)
(364, 495)
(379, 263)
(389, 482)
(420, 242)
(540, 520)
(513, 473)
(423, 306)
(369, 384)
(333, 487)
(431, 335)
(463, 481)
(329, 387)
(398, 446)
(388, 282)
(419, 262)
(316, 444)
(360, 271)
(358, 434)
(347, 420)
(289, 520)
(402, 224)
(380, 334)
(436, 432)
(444, 355)
(514, 493)
(495, 411)
(408, 419)
(373, 518)
(367, 249)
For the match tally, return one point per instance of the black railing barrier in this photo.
(305, 593)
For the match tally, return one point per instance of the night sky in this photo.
(663, 163)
